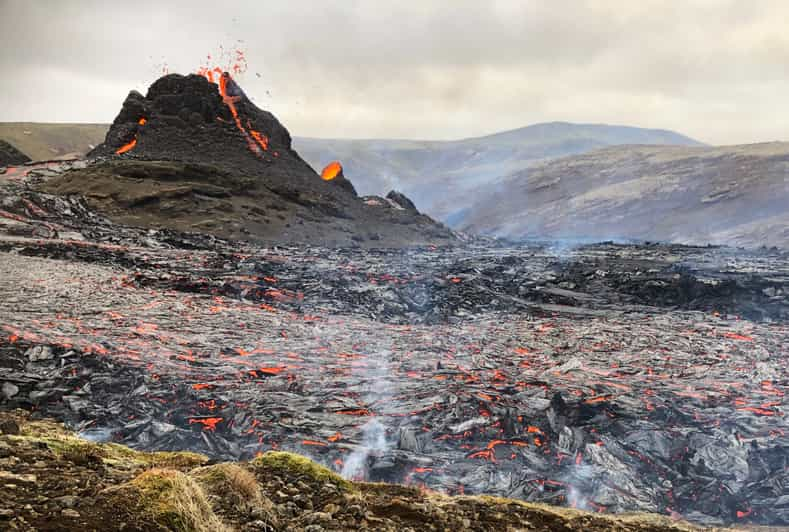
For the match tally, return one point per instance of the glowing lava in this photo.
(331, 171)
(131, 144)
(231, 95)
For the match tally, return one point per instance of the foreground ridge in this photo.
(53, 479)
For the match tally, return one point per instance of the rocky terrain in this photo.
(732, 194)
(53, 480)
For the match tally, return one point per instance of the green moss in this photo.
(297, 465)
(119, 454)
(68, 446)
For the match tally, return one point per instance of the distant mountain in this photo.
(731, 195)
(438, 175)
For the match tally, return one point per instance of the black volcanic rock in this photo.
(401, 199)
(9, 155)
(186, 119)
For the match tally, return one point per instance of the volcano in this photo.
(193, 119)
(195, 154)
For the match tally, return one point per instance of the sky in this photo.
(717, 71)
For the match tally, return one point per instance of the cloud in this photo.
(715, 70)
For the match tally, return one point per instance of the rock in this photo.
(9, 426)
(400, 199)
(10, 390)
(331, 509)
(318, 517)
(68, 512)
(67, 501)
(6, 513)
(40, 352)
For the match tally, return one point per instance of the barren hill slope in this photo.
(730, 194)
(43, 141)
(438, 175)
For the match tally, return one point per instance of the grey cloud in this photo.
(715, 70)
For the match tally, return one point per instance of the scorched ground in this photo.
(608, 377)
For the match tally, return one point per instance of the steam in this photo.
(374, 441)
(378, 389)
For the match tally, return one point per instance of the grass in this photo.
(235, 492)
(173, 500)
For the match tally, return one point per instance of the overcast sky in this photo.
(714, 70)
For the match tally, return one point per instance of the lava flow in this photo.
(231, 95)
(131, 144)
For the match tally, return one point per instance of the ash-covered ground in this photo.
(608, 377)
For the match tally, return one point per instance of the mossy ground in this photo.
(300, 466)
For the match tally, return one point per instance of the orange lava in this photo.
(256, 141)
(331, 171)
(209, 423)
(126, 147)
(740, 337)
(131, 144)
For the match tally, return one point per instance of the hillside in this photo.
(51, 141)
(438, 175)
(731, 194)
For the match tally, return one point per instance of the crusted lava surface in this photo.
(607, 377)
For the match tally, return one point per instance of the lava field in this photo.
(608, 377)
